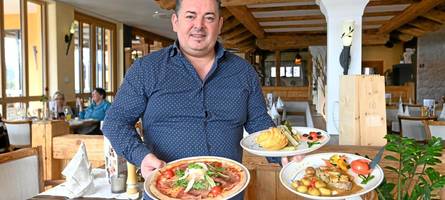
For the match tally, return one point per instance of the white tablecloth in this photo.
(102, 188)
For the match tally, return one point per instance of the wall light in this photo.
(298, 58)
(69, 37)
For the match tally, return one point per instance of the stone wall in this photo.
(431, 66)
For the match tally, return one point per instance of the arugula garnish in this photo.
(194, 166)
(181, 183)
(366, 179)
(310, 144)
(179, 173)
(199, 185)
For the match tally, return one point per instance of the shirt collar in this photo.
(218, 48)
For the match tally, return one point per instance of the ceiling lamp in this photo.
(298, 58)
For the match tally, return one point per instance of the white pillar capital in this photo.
(336, 13)
(342, 8)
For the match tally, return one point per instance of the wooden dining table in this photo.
(265, 183)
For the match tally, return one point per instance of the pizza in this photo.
(201, 178)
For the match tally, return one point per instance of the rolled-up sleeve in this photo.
(127, 108)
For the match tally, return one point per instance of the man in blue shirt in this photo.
(194, 97)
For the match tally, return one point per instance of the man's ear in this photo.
(174, 20)
(221, 21)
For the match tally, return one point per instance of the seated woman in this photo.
(60, 106)
(98, 106)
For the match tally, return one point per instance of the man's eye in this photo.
(210, 19)
(189, 17)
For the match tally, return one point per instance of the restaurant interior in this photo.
(395, 83)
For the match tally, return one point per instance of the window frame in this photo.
(4, 100)
(96, 22)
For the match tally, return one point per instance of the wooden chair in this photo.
(414, 109)
(434, 128)
(412, 127)
(19, 133)
(21, 173)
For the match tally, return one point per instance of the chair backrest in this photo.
(434, 128)
(19, 133)
(21, 173)
(412, 127)
(414, 109)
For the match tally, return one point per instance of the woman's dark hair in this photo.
(101, 92)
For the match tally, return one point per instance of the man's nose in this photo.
(199, 23)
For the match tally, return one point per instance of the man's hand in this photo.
(149, 164)
(285, 160)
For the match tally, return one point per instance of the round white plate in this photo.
(244, 169)
(248, 143)
(296, 170)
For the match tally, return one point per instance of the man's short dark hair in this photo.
(178, 5)
(101, 92)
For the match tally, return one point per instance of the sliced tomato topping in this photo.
(360, 166)
(168, 173)
(216, 191)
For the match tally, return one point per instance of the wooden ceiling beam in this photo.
(230, 24)
(290, 18)
(411, 30)
(409, 14)
(290, 42)
(301, 41)
(296, 26)
(234, 33)
(389, 2)
(167, 4)
(243, 14)
(284, 8)
(227, 3)
(379, 22)
(403, 36)
(318, 17)
(245, 44)
(225, 13)
(240, 39)
(425, 24)
(435, 15)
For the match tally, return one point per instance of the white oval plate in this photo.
(246, 173)
(296, 170)
(248, 143)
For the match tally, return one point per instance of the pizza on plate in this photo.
(203, 178)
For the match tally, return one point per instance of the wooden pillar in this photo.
(43, 133)
(277, 68)
(336, 14)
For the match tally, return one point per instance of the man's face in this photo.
(197, 25)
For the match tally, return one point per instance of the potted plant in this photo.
(416, 177)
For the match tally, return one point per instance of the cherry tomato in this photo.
(217, 164)
(216, 191)
(360, 166)
(169, 173)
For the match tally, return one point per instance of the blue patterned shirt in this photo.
(182, 114)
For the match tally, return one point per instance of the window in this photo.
(23, 69)
(94, 55)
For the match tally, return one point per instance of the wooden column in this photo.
(43, 133)
(277, 68)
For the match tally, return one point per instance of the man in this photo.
(194, 97)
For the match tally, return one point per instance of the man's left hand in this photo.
(286, 160)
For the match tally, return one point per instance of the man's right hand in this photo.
(149, 164)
